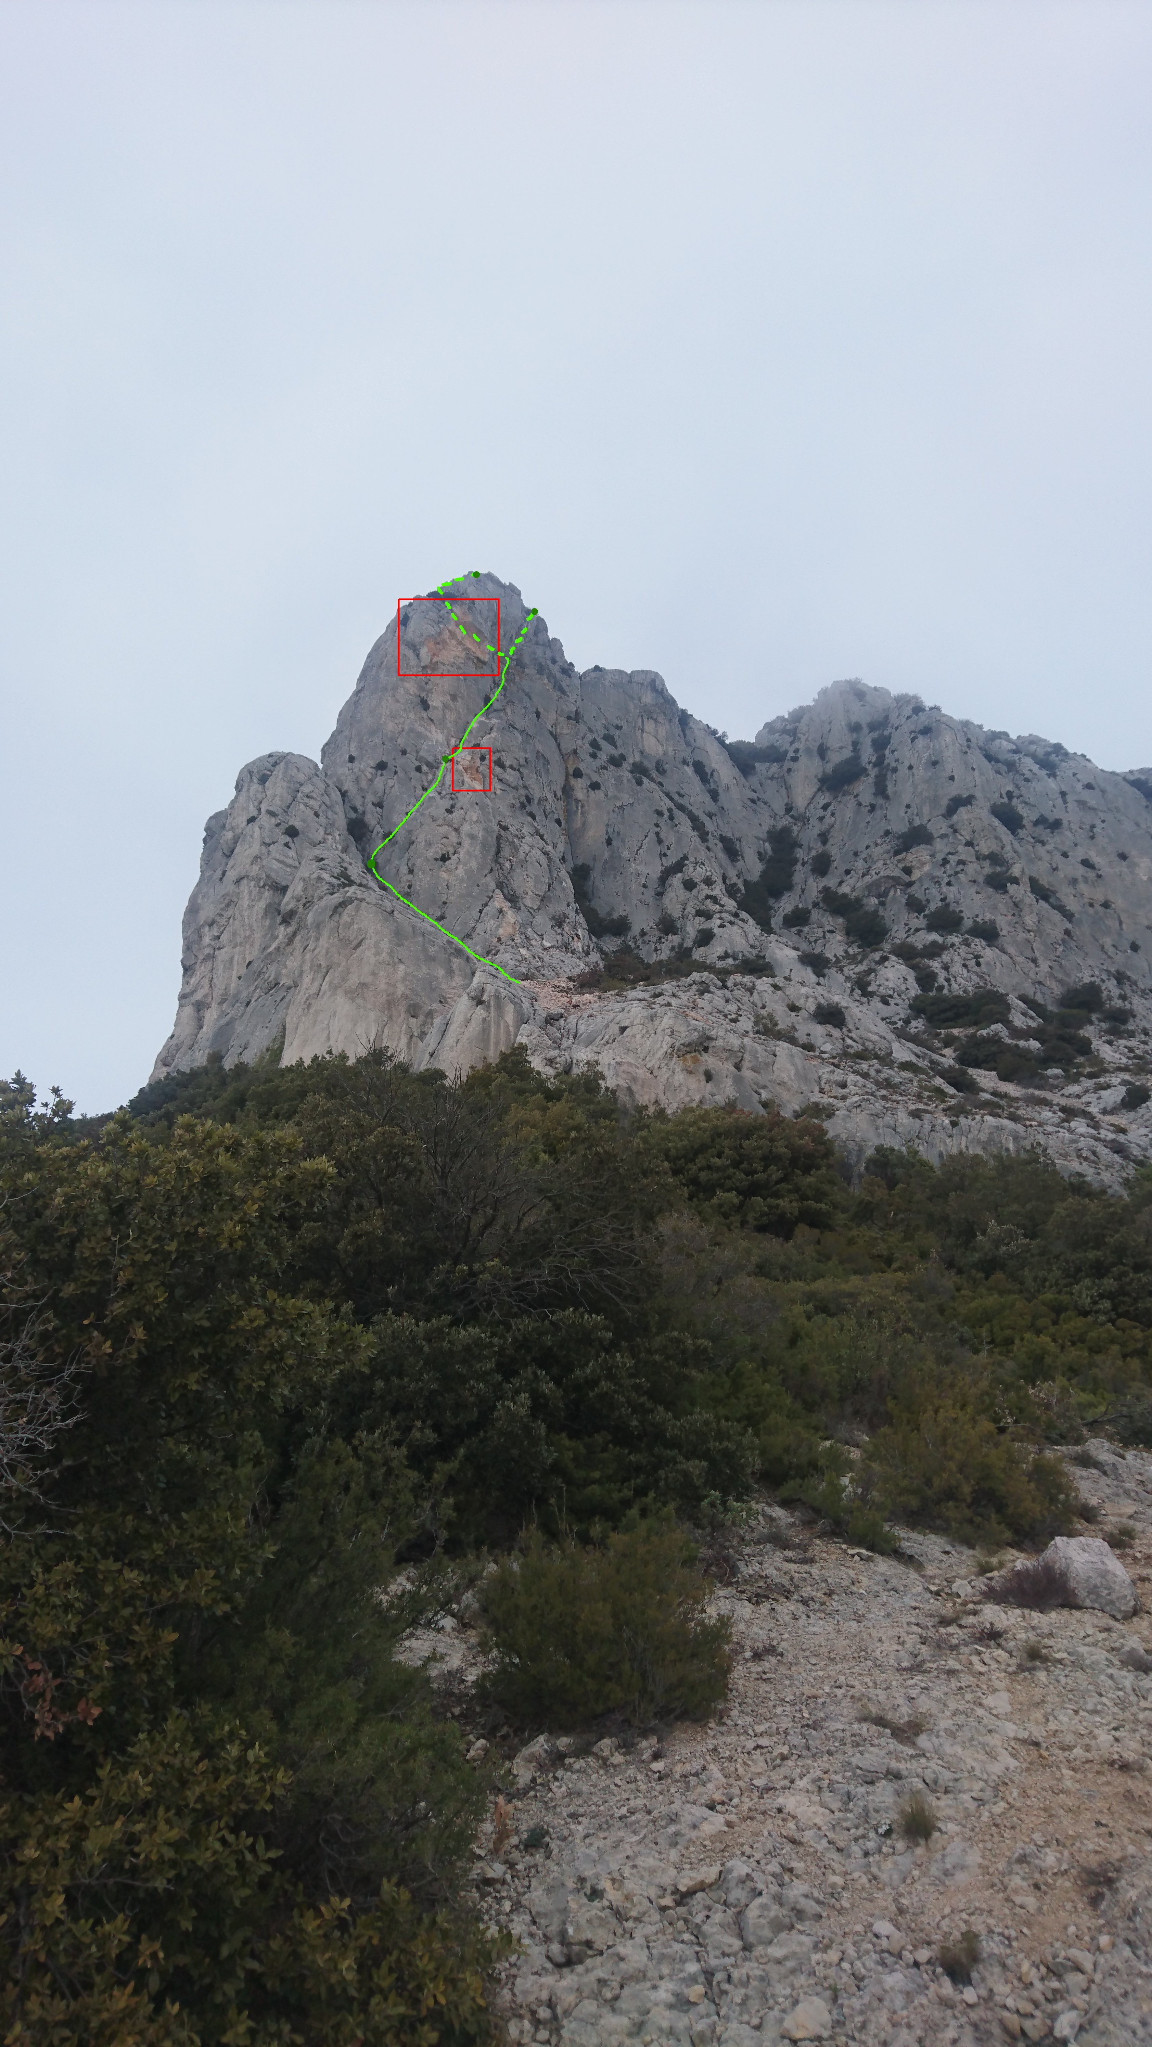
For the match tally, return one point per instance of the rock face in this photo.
(705, 921)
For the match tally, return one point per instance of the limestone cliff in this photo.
(799, 904)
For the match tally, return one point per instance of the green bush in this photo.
(965, 1012)
(843, 773)
(575, 1633)
(1007, 815)
(767, 1173)
(944, 1464)
(775, 877)
(152, 1908)
(546, 1419)
(216, 1773)
(914, 835)
(945, 917)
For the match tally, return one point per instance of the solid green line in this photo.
(412, 812)
(442, 928)
(444, 760)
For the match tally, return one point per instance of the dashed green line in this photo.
(502, 675)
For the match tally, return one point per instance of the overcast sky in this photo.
(760, 344)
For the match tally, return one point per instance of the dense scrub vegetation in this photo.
(576, 1630)
(269, 1334)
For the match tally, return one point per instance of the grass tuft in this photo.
(917, 1817)
(959, 1957)
(1039, 1585)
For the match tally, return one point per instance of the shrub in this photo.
(749, 757)
(765, 1173)
(548, 1419)
(1135, 1095)
(944, 918)
(906, 1731)
(575, 1633)
(1088, 998)
(147, 1910)
(775, 877)
(959, 1078)
(795, 920)
(1007, 815)
(917, 1817)
(238, 1775)
(941, 1462)
(861, 921)
(843, 774)
(915, 835)
(956, 803)
(866, 927)
(1040, 1584)
(959, 1957)
(821, 862)
(984, 927)
(829, 1013)
(962, 1012)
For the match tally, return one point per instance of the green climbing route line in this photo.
(502, 677)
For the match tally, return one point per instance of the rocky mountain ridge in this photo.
(926, 932)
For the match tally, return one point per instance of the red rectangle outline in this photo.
(471, 792)
(450, 674)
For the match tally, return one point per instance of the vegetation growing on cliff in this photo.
(271, 1334)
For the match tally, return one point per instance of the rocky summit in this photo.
(922, 931)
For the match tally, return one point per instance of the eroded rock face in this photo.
(894, 852)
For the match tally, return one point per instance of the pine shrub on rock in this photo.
(575, 1633)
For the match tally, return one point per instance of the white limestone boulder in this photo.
(1093, 1574)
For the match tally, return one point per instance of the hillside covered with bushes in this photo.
(271, 1334)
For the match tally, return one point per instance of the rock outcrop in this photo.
(1093, 1574)
(706, 921)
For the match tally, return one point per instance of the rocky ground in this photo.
(759, 1040)
(752, 1880)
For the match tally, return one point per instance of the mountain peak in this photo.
(497, 849)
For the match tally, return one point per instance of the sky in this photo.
(761, 344)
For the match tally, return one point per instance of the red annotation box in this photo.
(474, 764)
(405, 606)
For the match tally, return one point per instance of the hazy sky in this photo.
(760, 344)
